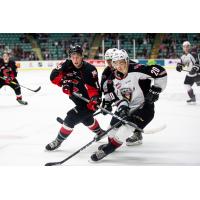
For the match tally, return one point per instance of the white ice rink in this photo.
(25, 130)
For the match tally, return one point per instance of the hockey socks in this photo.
(64, 132)
(95, 127)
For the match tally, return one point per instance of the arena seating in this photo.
(17, 41)
(54, 46)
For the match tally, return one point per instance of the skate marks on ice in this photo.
(10, 136)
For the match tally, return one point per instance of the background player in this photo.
(8, 74)
(191, 62)
(108, 71)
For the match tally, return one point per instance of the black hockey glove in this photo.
(179, 67)
(153, 94)
(123, 111)
(194, 70)
(106, 105)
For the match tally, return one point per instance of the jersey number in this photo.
(155, 71)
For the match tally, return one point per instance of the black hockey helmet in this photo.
(75, 49)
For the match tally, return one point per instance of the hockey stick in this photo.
(82, 148)
(110, 113)
(60, 120)
(36, 90)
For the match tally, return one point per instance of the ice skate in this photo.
(135, 139)
(53, 145)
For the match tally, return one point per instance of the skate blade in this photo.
(94, 162)
(191, 103)
(134, 143)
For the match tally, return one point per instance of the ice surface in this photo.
(25, 130)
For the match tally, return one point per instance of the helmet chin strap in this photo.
(119, 75)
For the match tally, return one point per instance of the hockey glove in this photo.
(153, 94)
(179, 67)
(194, 70)
(123, 111)
(8, 80)
(106, 105)
(94, 102)
(68, 87)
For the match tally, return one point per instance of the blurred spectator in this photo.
(55, 46)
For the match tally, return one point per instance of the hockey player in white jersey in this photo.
(130, 95)
(191, 63)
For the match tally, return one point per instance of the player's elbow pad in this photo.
(56, 78)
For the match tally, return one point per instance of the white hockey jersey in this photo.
(130, 88)
(189, 61)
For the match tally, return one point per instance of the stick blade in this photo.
(52, 164)
(39, 88)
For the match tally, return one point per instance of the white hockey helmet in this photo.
(186, 43)
(120, 55)
(109, 53)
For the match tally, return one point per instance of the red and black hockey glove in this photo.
(8, 80)
(153, 94)
(94, 102)
(68, 87)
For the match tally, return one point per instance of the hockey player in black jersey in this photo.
(8, 74)
(130, 95)
(108, 71)
(76, 75)
(191, 63)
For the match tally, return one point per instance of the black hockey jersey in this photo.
(8, 69)
(85, 79)
(108, 71)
